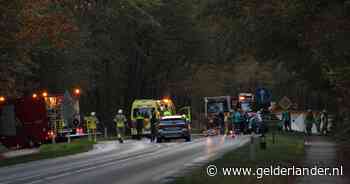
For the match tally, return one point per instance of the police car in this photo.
(173, 127)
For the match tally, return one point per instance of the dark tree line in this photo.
(117, 51)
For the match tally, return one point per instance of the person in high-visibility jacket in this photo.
(139, 125)
(120, 121)
(91, 125)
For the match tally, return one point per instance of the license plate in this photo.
(172, 135)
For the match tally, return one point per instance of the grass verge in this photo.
(51, 151)
(287, 151)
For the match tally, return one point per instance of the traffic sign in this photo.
(263, 96)
(285, 103)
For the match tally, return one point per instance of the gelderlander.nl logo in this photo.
(212, 170)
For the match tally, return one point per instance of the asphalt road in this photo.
(130, 163)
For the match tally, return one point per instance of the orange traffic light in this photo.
(44, 94)
(2, 99)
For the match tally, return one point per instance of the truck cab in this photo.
(24, 123)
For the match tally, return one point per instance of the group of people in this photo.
(239, 122)
(150, 119)
(320, 119)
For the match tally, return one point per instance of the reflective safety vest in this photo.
(139, 121)
(139, 117)
(60, 125)
(91, 122)
(120, 120)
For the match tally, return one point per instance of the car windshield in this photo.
(172, 122)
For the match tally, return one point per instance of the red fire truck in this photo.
(33, 120)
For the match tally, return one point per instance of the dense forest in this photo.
(119, 50)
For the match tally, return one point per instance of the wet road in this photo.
(131, 163)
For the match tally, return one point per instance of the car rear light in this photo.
(50, 133)
(79, 131)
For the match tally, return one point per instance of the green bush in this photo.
(52, 151)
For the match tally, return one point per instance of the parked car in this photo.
(173, 127)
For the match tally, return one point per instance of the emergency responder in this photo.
(286, 119)
(139, 125)
(147, 121)
(153, 126)
(91, 124)
(309, 121)
(324, 122)
(120, 121)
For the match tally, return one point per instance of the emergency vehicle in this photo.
(144, 107)
(33, 120)
(214, 105)
(246, 101)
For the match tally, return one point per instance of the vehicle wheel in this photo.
(188, 139)
(159, 140)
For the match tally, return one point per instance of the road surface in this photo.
(131, 163)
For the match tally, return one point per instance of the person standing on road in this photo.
(317, 117)
(260, 123)
(226, 122)
(120, 121)
(153, 126)
(238, 121)
(231, 121)
(309, 121)
(221, 119)
(245, 124)
(91, 124)
(139, 125)
(324, 122)
(286, 119)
